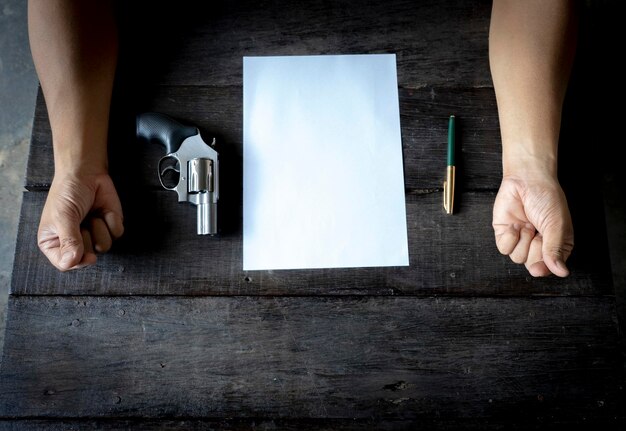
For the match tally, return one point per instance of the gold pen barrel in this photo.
(448, 190)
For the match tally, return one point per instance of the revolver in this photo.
(190, 166)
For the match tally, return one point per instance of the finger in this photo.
(520, 252)
(59, 236)
(114, 223)
(70, 244)
(534, 262)
(100, 235)
(49, 243)
(47, 238)
(558, 243)
(89, 255)
(507, 237)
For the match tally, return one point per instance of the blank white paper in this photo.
(323, 179)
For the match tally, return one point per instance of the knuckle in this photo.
(69, 242)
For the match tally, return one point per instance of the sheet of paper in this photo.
(323, 178)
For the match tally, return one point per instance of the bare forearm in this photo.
(74, 48)
(531, 50)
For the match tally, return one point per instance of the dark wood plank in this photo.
(40, 164)
(437, 43)
(210, 97)
(518, 359)
(161, 254)
(270, 424)
(219, 112)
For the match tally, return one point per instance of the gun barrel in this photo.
(207, 218)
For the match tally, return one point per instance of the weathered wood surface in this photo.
(441, 50)
(519, 359)
(218, 111)
(442, 61)
(269, 424)
(442, 68)
(438, 43)
(160, 254)
(460, 339)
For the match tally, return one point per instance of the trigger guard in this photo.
(173, 167)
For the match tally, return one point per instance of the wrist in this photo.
(80, 167)
(80, 139)
(76, 164)
(86, 154)
(523, 161)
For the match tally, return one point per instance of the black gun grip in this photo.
(154, 126)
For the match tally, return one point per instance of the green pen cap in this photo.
(451, 134)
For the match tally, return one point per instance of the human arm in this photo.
(74, 49)
(531, 51)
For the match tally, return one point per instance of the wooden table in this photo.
(168, 332)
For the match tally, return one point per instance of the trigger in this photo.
(169, 172)
(167, 169)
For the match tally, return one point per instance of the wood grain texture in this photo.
(160, 254)
(461, 339)
(437, 43)
(283, 424)
(218, 111)
(528, 360)
(441, 50)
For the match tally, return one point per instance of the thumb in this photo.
(557, 247)
(71, 248)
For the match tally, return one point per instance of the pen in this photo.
(448, 184)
